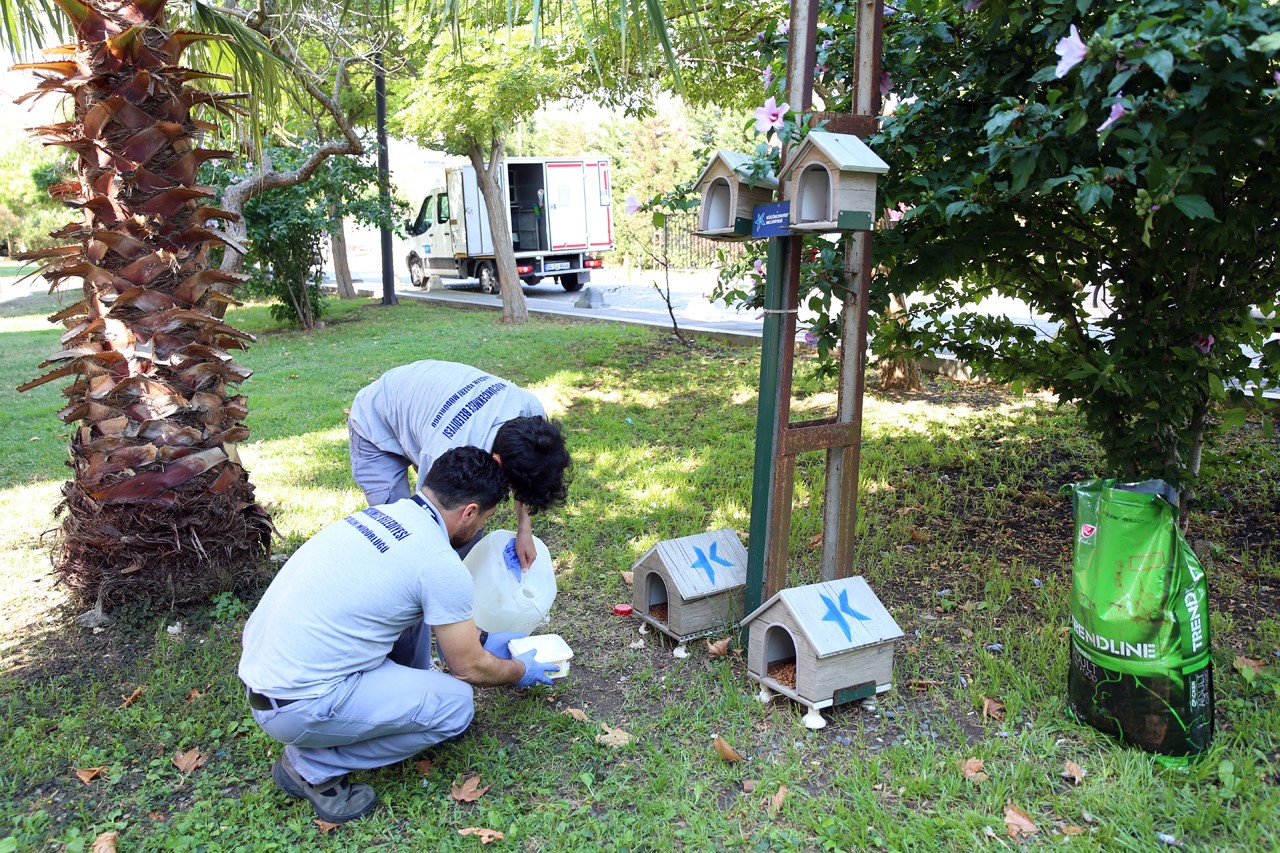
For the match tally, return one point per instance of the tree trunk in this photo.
(338, 249)
(159, 507)
(900, 374)
(492, 187)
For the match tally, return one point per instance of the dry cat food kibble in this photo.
(784, 672)
(658, 611)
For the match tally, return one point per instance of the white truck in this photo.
(559, 210)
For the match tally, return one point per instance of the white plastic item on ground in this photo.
(507, 599)
(550, 648)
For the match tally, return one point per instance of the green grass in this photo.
(958, 493)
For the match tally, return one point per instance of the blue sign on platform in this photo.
(771, 220)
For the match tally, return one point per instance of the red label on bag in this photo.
(1087, 530)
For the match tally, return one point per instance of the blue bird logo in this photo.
(836, 614)
(704, 561)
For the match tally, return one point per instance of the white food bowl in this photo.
(550, 648)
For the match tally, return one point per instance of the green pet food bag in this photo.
(1141, 667)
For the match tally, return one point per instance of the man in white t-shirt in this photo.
(413, 413)
(337, 654)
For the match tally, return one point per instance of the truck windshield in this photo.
(420, 223)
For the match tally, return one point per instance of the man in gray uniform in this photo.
(415, 412)
(337, 655)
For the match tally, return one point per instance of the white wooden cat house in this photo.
(830, 180)
(729, 198)
(691, 587)
(822, 645)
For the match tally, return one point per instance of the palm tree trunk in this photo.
(159, 507)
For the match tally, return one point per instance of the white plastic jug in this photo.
(506, 598)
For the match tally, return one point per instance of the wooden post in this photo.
(778, 441)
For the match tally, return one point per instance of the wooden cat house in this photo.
(691, 587)
(728, 198)
(822, 645)
(830, 179)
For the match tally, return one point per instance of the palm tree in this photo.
(159, 506)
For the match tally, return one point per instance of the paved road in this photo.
(633, 300)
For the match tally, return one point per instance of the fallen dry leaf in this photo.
(88, 774)
(966, 633)
(194, 694)
(131, 568)
(106, 842)
(131, 698)
(749, 785)
(1242, 663)
(919, 535)
(1018, 822)
(325, 826)
(189, 759)
(424, 766)
(638, 644)
(815, 541)
(469, 791)
(992, 709)
(972, 769)
(155, 815)
(775, 802)
(485, 835)
(613, 737)
(1072, 829)
(922, 684)
(725, 751)
(628, 577)
(577, 713)
(1073, 771)
(719, 648)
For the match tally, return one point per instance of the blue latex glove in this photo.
(512, 560)
(534, 672)
(496, 644)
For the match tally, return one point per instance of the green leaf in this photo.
(1194, 207)
(1161, 62)
(1234, 417)
(1079, 117)
(1087, 196)
(1269, 43)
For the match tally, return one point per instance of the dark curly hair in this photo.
(464, 475)
(535, 461)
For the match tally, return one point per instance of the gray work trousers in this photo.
(374, 718)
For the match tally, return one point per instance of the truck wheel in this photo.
(488, 278)
(571, 283)
(417, 274)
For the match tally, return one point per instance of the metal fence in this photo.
(677, 244)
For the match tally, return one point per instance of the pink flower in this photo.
(890, 11)
(633, 204)
(1072, 50)
(1203, 343)
(886, 84)
(758, 268)
(810, 338)
(972, 5)
(784, 27)
(1275, 75)
(896, 213)
(1117, 110)
(767, 77)
(770, 115)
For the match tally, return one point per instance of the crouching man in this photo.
(337, 655)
